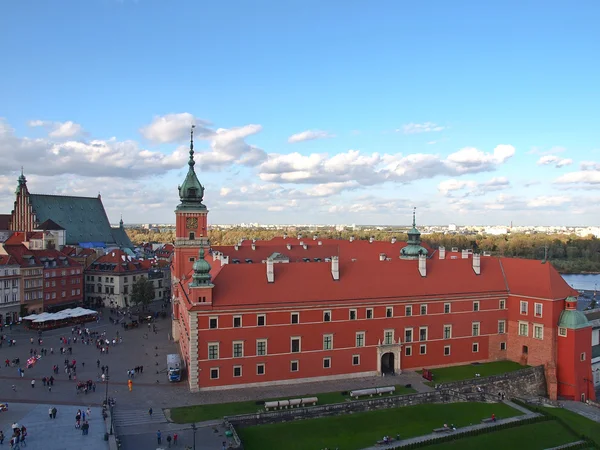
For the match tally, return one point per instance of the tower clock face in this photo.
(191, 223)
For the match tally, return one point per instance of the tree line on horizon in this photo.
(568, 253)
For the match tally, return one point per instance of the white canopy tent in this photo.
(61, 315)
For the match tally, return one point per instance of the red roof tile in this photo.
(531, 278)
(23, 256)
(118, 261)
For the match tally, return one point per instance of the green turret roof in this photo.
(413, 248)
(191, 192)
(201, 276)
(572, 318)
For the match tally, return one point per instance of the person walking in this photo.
(150, 412)
(32, 383)
(158, 437)
(50, 412)
(54, 411)
(175, 439)
(168, 440)
(1, 437)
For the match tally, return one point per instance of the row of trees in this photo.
(569, 253)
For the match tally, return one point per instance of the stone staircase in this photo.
(136, 417)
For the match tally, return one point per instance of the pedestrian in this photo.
(32, 383)
(150, 412)
(89, 413)
(1, 437)
(14, 388)
(98, 363)
(175, 438)
(169, 440)
(158, 437)
(50, 412)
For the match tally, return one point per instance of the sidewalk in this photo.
(583, 409)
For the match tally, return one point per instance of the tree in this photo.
(143, 292)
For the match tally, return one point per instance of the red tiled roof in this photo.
(19, 237)
(87, 252)
(346, 250)
(118, 261)
(532, 278)
(69, 251)
(305, 283)
(7, 259)
(23, 256)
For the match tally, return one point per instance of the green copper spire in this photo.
(201, 276)
(413, 248)
(22, 182)
(191, 192)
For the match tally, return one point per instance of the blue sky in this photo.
(308, 111)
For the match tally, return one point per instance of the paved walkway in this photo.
(583, 409)
(459, 431)
(44, 433)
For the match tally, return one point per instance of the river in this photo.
(588, 282)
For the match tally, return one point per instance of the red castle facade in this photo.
(293, 310)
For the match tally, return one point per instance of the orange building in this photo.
(292, 310)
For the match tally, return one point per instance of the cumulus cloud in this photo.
(557, 161)
(175, 128)
(228, 147)
(59, 130)
(543, 152)
(375, 168)
(309, 135)
(415, 128)
(584, 177)
(589, 165)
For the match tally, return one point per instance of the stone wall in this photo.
(353, 406)
(521, 383)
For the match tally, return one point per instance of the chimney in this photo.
(394, 240)
(315, 237)
(423, 265)
(465, 254)
(382, 257)
(237, 247)
(224, 260)
(320, 243)
(299, 236)
(253, 246)
(442, 252)
(285, 235)
(351, 238)
(270, 271)
(289, 246)
(477, 263)
(301, 243)
(304, 246)
(335, 268)
(216, 256)
(371, 239)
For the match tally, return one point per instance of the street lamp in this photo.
(194, 430)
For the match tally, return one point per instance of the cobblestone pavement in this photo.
(583, 409)
(44, 433)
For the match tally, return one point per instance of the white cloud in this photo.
(551, 151)
(472, 188)
(175, 128)
(415, 128)
(59, 130)
(554, 160)
(545, 201)
(309, 135)
(589, 177)
(589, 165)
(228, 147)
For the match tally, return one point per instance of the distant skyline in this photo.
(307, 112)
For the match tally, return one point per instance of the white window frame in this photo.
(449, 327)
(535, 309)
(325, 314)
(408, 310)
(562, 331)
(426, 334)
(475, 347)
(422, 349)
(237, 367)
(263, 369)
(357, 359)
(292, 338)
(447, 306)
(211, 373)
(536, 327)
(526, 324)
(412, 335)
(447, 347)
(389, 312)
(473, 332)
(582, 356)
(258, 317)
(502, 346)
(523, 307)
(422, 308)
(261, 341)
(352, 312)
(385, 334)
(408, 350)
(237, 317)
(210, 344)
(503, 323)
(502, 304)
(328, 360)
(367, 311)
(360, 334)
(216, 318)
(295, 361)
(233, 344)
(476, 306)
(297, 316)
(325, 338)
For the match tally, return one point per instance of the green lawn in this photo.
(458, 373)
(198, 413)
(359, 430)
(535, 436)
(581, 424)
